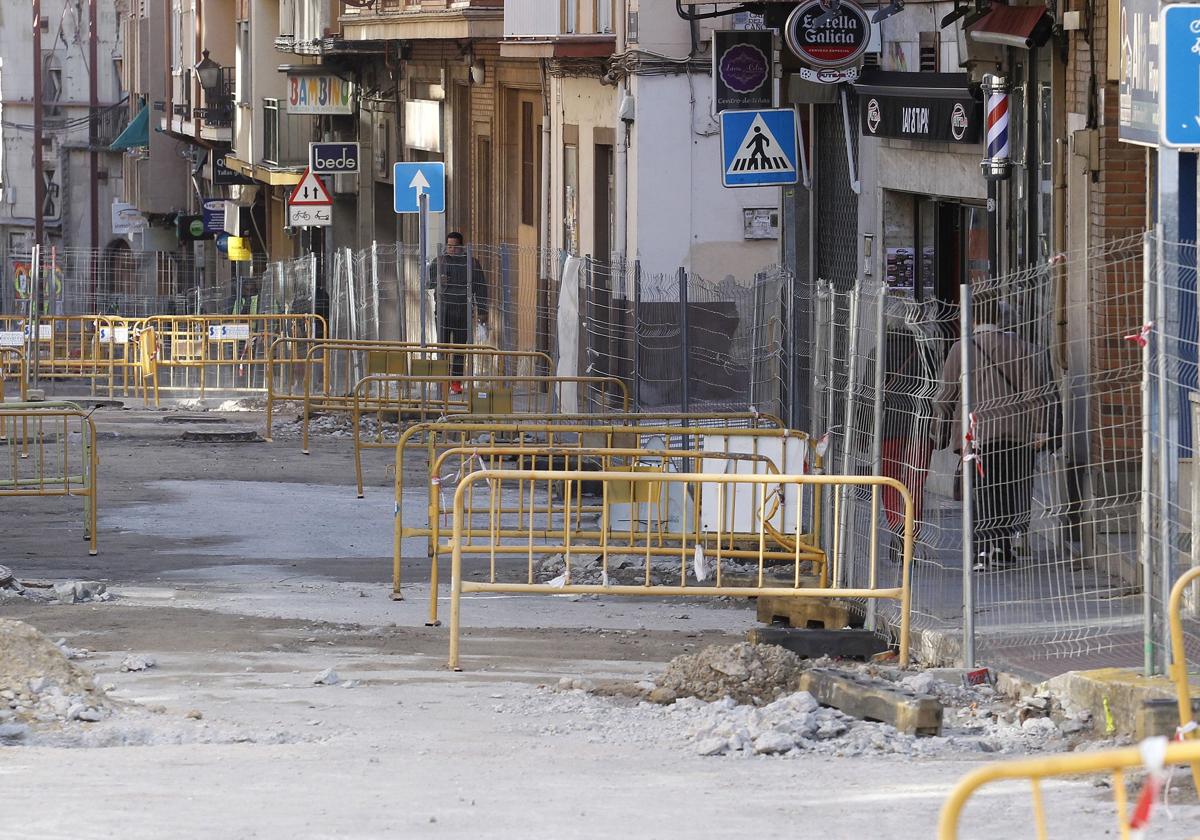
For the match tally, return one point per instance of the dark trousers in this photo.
(1001, 495)
(454, 332)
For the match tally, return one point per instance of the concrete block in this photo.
(1126, 691)
(909, 712)
(813, 644)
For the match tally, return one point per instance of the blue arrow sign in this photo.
(758, 148)
(412, 179)
(1179, 62)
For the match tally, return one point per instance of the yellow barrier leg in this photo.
(456, 576)
(1179, 669)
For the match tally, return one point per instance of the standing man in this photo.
(1012, 405)
(453, 277)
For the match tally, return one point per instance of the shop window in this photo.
(933, 245)
(929, 49)
(528, 167)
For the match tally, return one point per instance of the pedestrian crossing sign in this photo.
(758, 148)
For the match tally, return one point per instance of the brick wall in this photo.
(1117, 204)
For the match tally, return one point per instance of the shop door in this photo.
(961, 247)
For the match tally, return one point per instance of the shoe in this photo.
(993, 559)
(455, 387)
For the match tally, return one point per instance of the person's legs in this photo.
(987, 491)
(456, 333)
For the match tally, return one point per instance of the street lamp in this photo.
(209, 72)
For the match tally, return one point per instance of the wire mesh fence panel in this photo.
(289, 287)
(112, 281)
(1166, 344)
(710, 346)
(1054, 446)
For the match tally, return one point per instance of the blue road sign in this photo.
(758, 148)
(1179, 63)
(412, 179)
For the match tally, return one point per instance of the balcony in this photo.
(218, 110)
(105, 126)
(417, 20)
(558, 29)
(285, 137)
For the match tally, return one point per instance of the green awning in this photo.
(137, 133)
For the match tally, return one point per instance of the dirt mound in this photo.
(752, 674)
(38, 684)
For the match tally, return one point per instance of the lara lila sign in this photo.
(828, 33)
(742, 69)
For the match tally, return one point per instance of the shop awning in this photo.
(1024, 27)
(137, 133)
(916, 85)
(936, 107)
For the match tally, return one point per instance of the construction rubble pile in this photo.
(40, 686)
(742, 700)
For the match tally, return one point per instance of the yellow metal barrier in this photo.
(1035, 770)
(427, 362)
(13, 368)
(769, 503)
(692, 420)
(223, 353)
(517, 521)
(682, 423)
(1179, 665)
(96, 349)
(330, 367)
(385, 395)
(325, 370)
(42, 459)
(786, 448)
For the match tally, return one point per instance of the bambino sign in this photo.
(320, 94)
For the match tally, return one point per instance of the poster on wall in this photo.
(1138, 87)
(899, 270)
(743, 77)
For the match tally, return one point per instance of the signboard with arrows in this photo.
(310, 204)
(412, 180)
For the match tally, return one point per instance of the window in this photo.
(528, 167)
(570, 16)
(483, 188)
(604, 17)
(243, 62)
(929, 58)
(271, 131)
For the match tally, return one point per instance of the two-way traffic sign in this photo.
(1179, 63)
(758, 148)
(310, 204)
(411, 180)
(310, 191)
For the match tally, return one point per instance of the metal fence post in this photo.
(35, 311)
(375, 285)
(881, 361)
(968, 512)
(423, 256)
(1149, 647)
(508, 340)
(637, 335)
(1166, 449)
(684, 397)
(845, 526)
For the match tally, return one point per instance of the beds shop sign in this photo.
(830, 36)
(940, 120)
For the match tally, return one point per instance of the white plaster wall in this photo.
(680, 214)
(68, 37)
(587, 104)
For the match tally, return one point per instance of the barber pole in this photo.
(996, 165)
